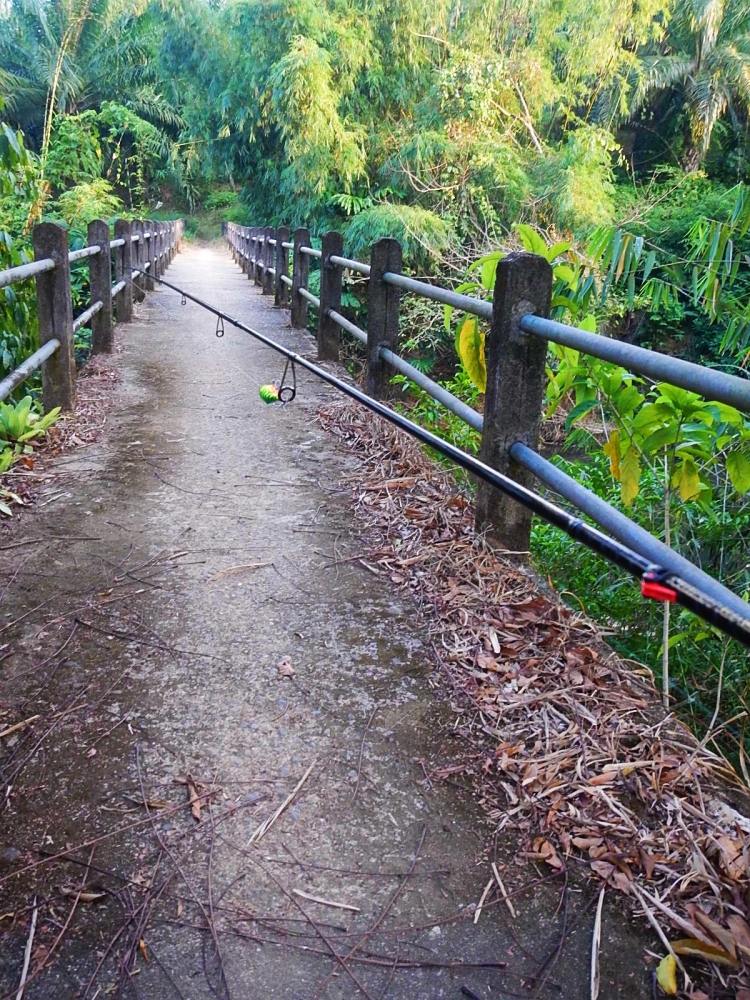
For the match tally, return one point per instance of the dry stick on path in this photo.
(383, 913)
(315, 926)
(165, 847)
(361, 754)
(27, 952)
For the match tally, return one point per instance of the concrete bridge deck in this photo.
(185, 619)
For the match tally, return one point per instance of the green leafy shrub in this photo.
(423, 235)
(20, 423)
(88, 200)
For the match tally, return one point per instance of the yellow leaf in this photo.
(612, 451)
(686, 479)
(630, 476)
(470, 346)
(691, 946)
(666, 975)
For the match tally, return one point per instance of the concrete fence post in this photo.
(150, 255)
(331, 279)
(515, 393)
(300, 276)
(100, 280)
(139, 250)
(55, 313)
(281, 289)
(382, 314)
(252, 270)
(268, 256)
(260, 253)
(155, 270)
(160, 248)
(124, 301)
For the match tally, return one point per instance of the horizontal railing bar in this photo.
(135, 237)
(347, 325)
(310, 252)
(117, 288)
(83, 253)
(708, 382)
(437, 392)
(116, 243)
(286, 279)
(626, 531)
(686, 594)
(272, 242)
(28, 367)
(287, 246)
(309, 296)
(87, 314)
(478, 307)
(23, 271)
(271, 270)
(351, 265)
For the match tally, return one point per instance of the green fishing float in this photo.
(269, 393)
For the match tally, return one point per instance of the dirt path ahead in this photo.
(188, 616)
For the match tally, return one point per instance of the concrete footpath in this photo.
(236, 733)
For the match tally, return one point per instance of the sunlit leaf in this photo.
(470, 347)
(630, 476)
(738, 470)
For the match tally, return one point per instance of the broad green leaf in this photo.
(556, 250)
(612, 450)
(630, 476)
(470, 345)
(489, 270)
(531, 240)
(738, 470)
(686, 479)
(580, 410)
(588, 323)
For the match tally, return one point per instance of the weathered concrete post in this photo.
(268, 256)
(100, 280)
(300, 275)
(150, 254)
(55, 312)
(124, 231)
(139, 258)
(331, 277)
(251, 273)
(281, 289)
(159, 249)
(260, 253)
(382, 314)
(515, 392)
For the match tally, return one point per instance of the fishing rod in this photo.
(657, 583)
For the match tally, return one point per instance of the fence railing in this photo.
(516, 352)
(113, 263)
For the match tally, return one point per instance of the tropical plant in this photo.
(705, 56)
(21, 423)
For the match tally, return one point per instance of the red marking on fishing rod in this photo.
(652, 586)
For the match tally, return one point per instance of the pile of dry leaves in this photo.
(571, 742)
